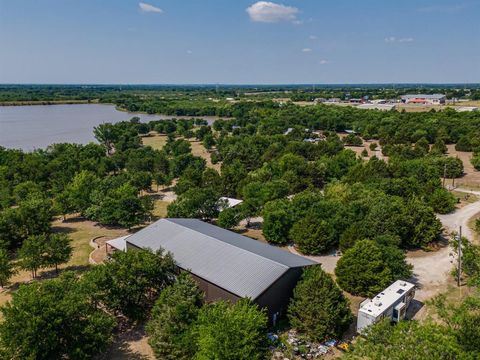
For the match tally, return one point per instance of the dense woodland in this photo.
(317, 195)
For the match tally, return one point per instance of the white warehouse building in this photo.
(391, 303)
(435, 99)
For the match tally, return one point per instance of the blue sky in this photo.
(239, 42)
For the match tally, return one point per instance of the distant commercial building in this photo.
(435, 99)
(391, 303)
(333, 100)
(226, 265)
(356, 101)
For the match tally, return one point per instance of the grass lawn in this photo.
(81, 232)
(160, 208)
(156, 141)
(199, 150)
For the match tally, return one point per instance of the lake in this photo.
(37, 126)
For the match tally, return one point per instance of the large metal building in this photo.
(226, 265)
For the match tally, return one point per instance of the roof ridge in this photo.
(231, 245)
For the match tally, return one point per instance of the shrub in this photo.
(367, 268)
(318, 307)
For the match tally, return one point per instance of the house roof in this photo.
(230, 202)
(238, 264)
(118, 243)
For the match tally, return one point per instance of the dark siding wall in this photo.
(277, 296)
(132, 247)
(213, 292)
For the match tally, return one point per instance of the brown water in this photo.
(37, 126)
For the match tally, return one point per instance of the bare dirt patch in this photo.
(130, 345)
(471, 179)
(154, 140)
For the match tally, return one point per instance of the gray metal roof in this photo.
(238, 264)
(423, 96)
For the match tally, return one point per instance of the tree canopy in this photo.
(318, 307)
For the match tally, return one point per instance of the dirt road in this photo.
(460, 217)
(328, 262)
(433, 269)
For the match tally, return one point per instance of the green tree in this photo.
(470, 261)
(170, 326)
(366, 268)
(312, 235)
(7, 268)
(228, 218)
(439, 147)
(33, 253)
(318, 307)
(25, 190)
(54, 319)
(277, 222)
(475, 160)
(58, 250)
(119, 205)
(36, 215)
(208, 141)
(463, 320)
(352, 140)
(132, 281)
(422, 224)
(231, 332)
(405, 341)
(107, 135)
(80, 189)
(442, 201)
(195, 203)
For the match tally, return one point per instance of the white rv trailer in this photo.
(391, 303)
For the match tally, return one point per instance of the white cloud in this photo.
(306, 50)
(393, 39)
(269, 12)
(144, 7)
(189, 52)
(312, 37)
(323, 62)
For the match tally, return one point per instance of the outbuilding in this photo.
(226, 265)
(435, 99)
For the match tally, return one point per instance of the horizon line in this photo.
(240, 84)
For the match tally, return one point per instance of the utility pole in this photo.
(444, 173)
(459, 270)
